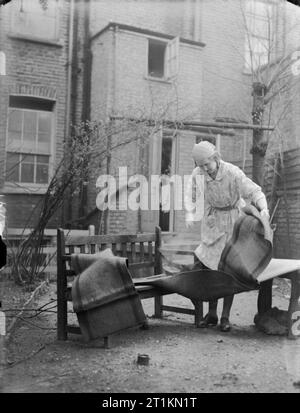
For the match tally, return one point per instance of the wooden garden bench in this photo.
(144, 258)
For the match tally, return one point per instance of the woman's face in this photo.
(209, 166)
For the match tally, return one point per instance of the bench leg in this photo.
(62, 315)
(107, 342)
(198, 312)
(264, 301)
(294, 307)
(158, 302)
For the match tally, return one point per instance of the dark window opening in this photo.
(166, 164)
(156, 58)
(31, 102)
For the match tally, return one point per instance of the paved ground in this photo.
(182, 358)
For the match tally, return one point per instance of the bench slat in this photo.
(133, 265)
(176, 252)
(144, 264)
(108, 239)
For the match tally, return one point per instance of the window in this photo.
(259, 42)
(156, 58)
(35, 18)
(163, 58)
(29, 138)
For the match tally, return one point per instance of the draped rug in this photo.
(244, 257)
(103, 294)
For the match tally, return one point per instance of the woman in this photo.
(225, 186)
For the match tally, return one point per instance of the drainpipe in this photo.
(86, 98)
(87, 58)
(67, 210)
(69, 72)
(110, 107)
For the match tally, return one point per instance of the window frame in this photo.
(171, 59)
(19, 186)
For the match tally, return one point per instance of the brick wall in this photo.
(38, 69)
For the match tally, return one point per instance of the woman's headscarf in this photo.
(202, 151)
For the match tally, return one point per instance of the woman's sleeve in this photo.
(248, 188)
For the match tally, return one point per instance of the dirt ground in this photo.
(183, 359)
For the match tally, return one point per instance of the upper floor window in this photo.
(35, 18)
(163, 58)
(260, 33)
(29, 140)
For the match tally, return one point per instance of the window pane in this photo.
(44, 137)
(30, 125)
(27, 172)
(45, 122)
(25, 158)
(14, 140)
(42, 169)
(12, 167)
(15, 120)
(43, 159)
(42, 174)
(156, 59)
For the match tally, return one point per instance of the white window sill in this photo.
(25, 189)
(159, 79)
(28, 38)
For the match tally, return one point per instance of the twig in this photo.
(35, 325)
(19, 315)
(33, 353)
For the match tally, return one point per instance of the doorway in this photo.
(167, 170)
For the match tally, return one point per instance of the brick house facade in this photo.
(94, 63)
